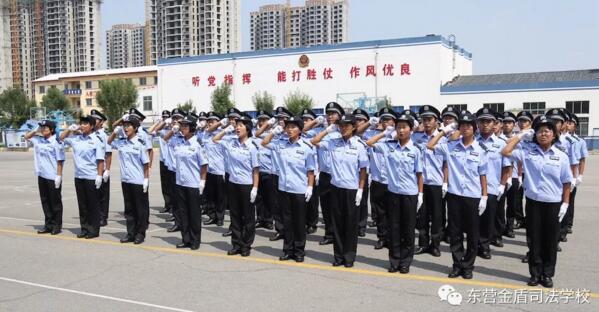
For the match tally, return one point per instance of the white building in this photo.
(282, 26)
(125, 46)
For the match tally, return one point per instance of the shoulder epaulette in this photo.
(362, 142)
(570, 139)
(504, 140)
(483, 146)
(141, 141)
(99, 138)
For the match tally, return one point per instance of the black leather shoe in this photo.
(326, 241)
(44, 231)
(269, 226)
(420, 250)
(174, 228)
(509, 234)
(380, 244)
(348, 264)
(337, 263)
(90, 236)
(485, 254)
(392, 269)
(170, 219)
(569, 231)
(227, 233)
(285, 257)
(245, 253)
(455, 272)
(219, 223)
(299, 259)
(563, 239)
(404, 270)
(547, 282)
(56, 232)
(466, 274)
(311, 229)
(257, 225)
(276, 237)
(372, 224)
(210, 221)
(138, 240)
(497, 243)
(559, 248)
(81, 235)
(525, 258)
(362, 232)
(195, 246)
(533, 281)
(127, 239)
(435, 252)
(103, 223)
(234, 251)
(183, 245)
(165, 210)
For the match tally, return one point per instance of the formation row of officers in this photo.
(446, 174)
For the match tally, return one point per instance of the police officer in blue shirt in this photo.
(88, 156)
(524, 119)
(308, 116)
(244, 176)
(165, 188)
(48, 163)
(430, 217)
(135, 173)
(547, 178)
(348, 165)
(215, 179)
(296, 180)
(404, 175)
(467, 190)
(362, 124)
(583, 154)
(497, 169)
(233, 114)
(191, 165)
(105, 188)
(266, 200)
(504, 220)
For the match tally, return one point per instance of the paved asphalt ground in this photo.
(63, 273)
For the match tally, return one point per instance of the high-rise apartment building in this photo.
(5, 51)
(283, 26)
(125, 46)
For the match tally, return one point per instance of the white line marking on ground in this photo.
(73, 224)
(93, 295)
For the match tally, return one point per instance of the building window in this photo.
(498, 107)
(88, 84)
(42, 89)
(415, 108)
(147, 103)
(459, 107)
(156, 80)
(88, 102)
(142, 81)
(535, 108)
(583, 126)
(578, 107)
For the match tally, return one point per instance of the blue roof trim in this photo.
(519, 87)
(316, 49)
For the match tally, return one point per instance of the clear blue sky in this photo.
(504, 36)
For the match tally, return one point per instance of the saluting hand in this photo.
(389, 131)
(272, 121)
(332, 128)
(229, 129)
(450, 128)
(277, 130)
(74, 127)
(526, 135)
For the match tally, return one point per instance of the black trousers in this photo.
(277, 212)
(486, 230)
(363, 221)
(514, 209)
(190, 215)
(267, 198)
(294, 218)
(402, 224)
(462, 217)
(326, 199)
(568, 220)
(500, 219)
(104, 199)
(169, 197)
(542, 233)
(378, 206)
(430, 216)
(243, 216)
(137, 209)
(216, 196)
(172, 183)
(312, 207)
(51, 199)
(344, 218)
(89, 206)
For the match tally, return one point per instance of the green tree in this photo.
(264, 101)
(187, 107)
(55, 100)
(221, 101)
(115, 97)
(297, 101)
(15, 107)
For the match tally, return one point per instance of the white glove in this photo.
(482, 205)
(117, 130)
(579, 180)
(325, 123)
(254, 122)
(201, 124)
(154, 133)
(98, 182)
(332, 128)
(316, 178)
(224, 122)
(229, 129)
(168, 121)
(373, 122)
(277, 130)
(450, 128)
(573, 184)
(272, 121)
(202, 186)
(320, 120)
(125, 117)
(106, 175)
(57, 181)
(389, 131)
(146, 184)
(416, 123)
(253, 194)
(526, 135)
(176, 128)
(308, 193)
(520, 181)
(562, 211)
(74, 127)
(444, 189)
(500, 191)
(508, 184)
(420, 201)
(359, 196)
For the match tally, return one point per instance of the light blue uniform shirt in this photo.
(544, 172)
(276, 158)
(264, 156)
(565, 144)
(189, 158)
(87, 151)
(296, 160)
(46, 154)
(215, 152)
(163, 146)
(432, 166)
(171, 162)
(465, 166)
(346, 160)
(132, 158)
(403, 164)
(307, 137)
(146, 137)
(227, 138)
(324, 156)
(582, 145)
(495, 161)
(242, 159)
(104, 138)
(377, 163)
